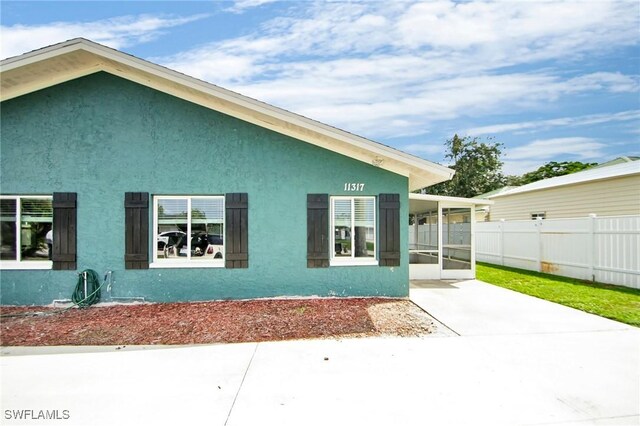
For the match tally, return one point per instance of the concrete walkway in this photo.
(475, 308)
(576, 373)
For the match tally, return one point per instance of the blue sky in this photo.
(552, 81)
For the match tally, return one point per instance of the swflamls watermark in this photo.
(30, 414)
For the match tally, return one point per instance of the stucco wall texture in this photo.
(101, 136)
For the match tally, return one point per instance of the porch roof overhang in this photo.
(419, 203)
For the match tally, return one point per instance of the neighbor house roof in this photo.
(495, 192)
(589, 175)
(79, 57)
(618, 160)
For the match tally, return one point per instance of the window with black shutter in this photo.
(389, 225)
(190, 231)
(136, 207)
(64, 231)
(317, 230)
(237, 230)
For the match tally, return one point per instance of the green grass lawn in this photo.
(609, 301)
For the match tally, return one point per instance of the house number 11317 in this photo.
(354, 187)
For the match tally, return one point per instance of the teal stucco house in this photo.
(186, 191)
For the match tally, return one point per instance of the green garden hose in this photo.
(79, 299)
(87, 290)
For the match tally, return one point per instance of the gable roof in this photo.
(589, 175)
(79, 57)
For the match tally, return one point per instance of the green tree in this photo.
(552, 169)
(477, 165)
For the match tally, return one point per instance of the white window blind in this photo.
(364, 214)
(342, 212)
(207, 210)
(35, 210)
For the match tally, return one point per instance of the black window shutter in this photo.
(236, 240)
(389, 229)
(136, 234)
(64, 230)
(317, 230)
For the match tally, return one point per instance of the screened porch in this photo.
(441, 236)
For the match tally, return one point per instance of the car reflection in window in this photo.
(205, 246)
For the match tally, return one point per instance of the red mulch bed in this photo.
(202, 322)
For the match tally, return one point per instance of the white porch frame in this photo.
(420, 203)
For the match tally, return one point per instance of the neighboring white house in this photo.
(611, 189)
(483, 211)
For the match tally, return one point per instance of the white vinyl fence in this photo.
(604, 249)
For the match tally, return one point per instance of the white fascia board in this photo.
(447, 199)
(60, 78)
(40, 55)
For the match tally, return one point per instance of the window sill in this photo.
(353, 262)
(27, 266)
(186, 265)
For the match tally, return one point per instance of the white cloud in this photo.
(583, 120)
(520, 167)
(424, 149)
(241, 5)
(578, 148)
(390, 69)
(613, 82)
(531, 156)
(385, 69)
(522, 31)
(216, 66)
(118, 32)
(378, 104)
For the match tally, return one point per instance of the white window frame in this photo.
(19, 263)
(184, 263)
(352, 261)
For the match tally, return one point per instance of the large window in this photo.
(25, 231)
(353, 226)
(188, 230)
